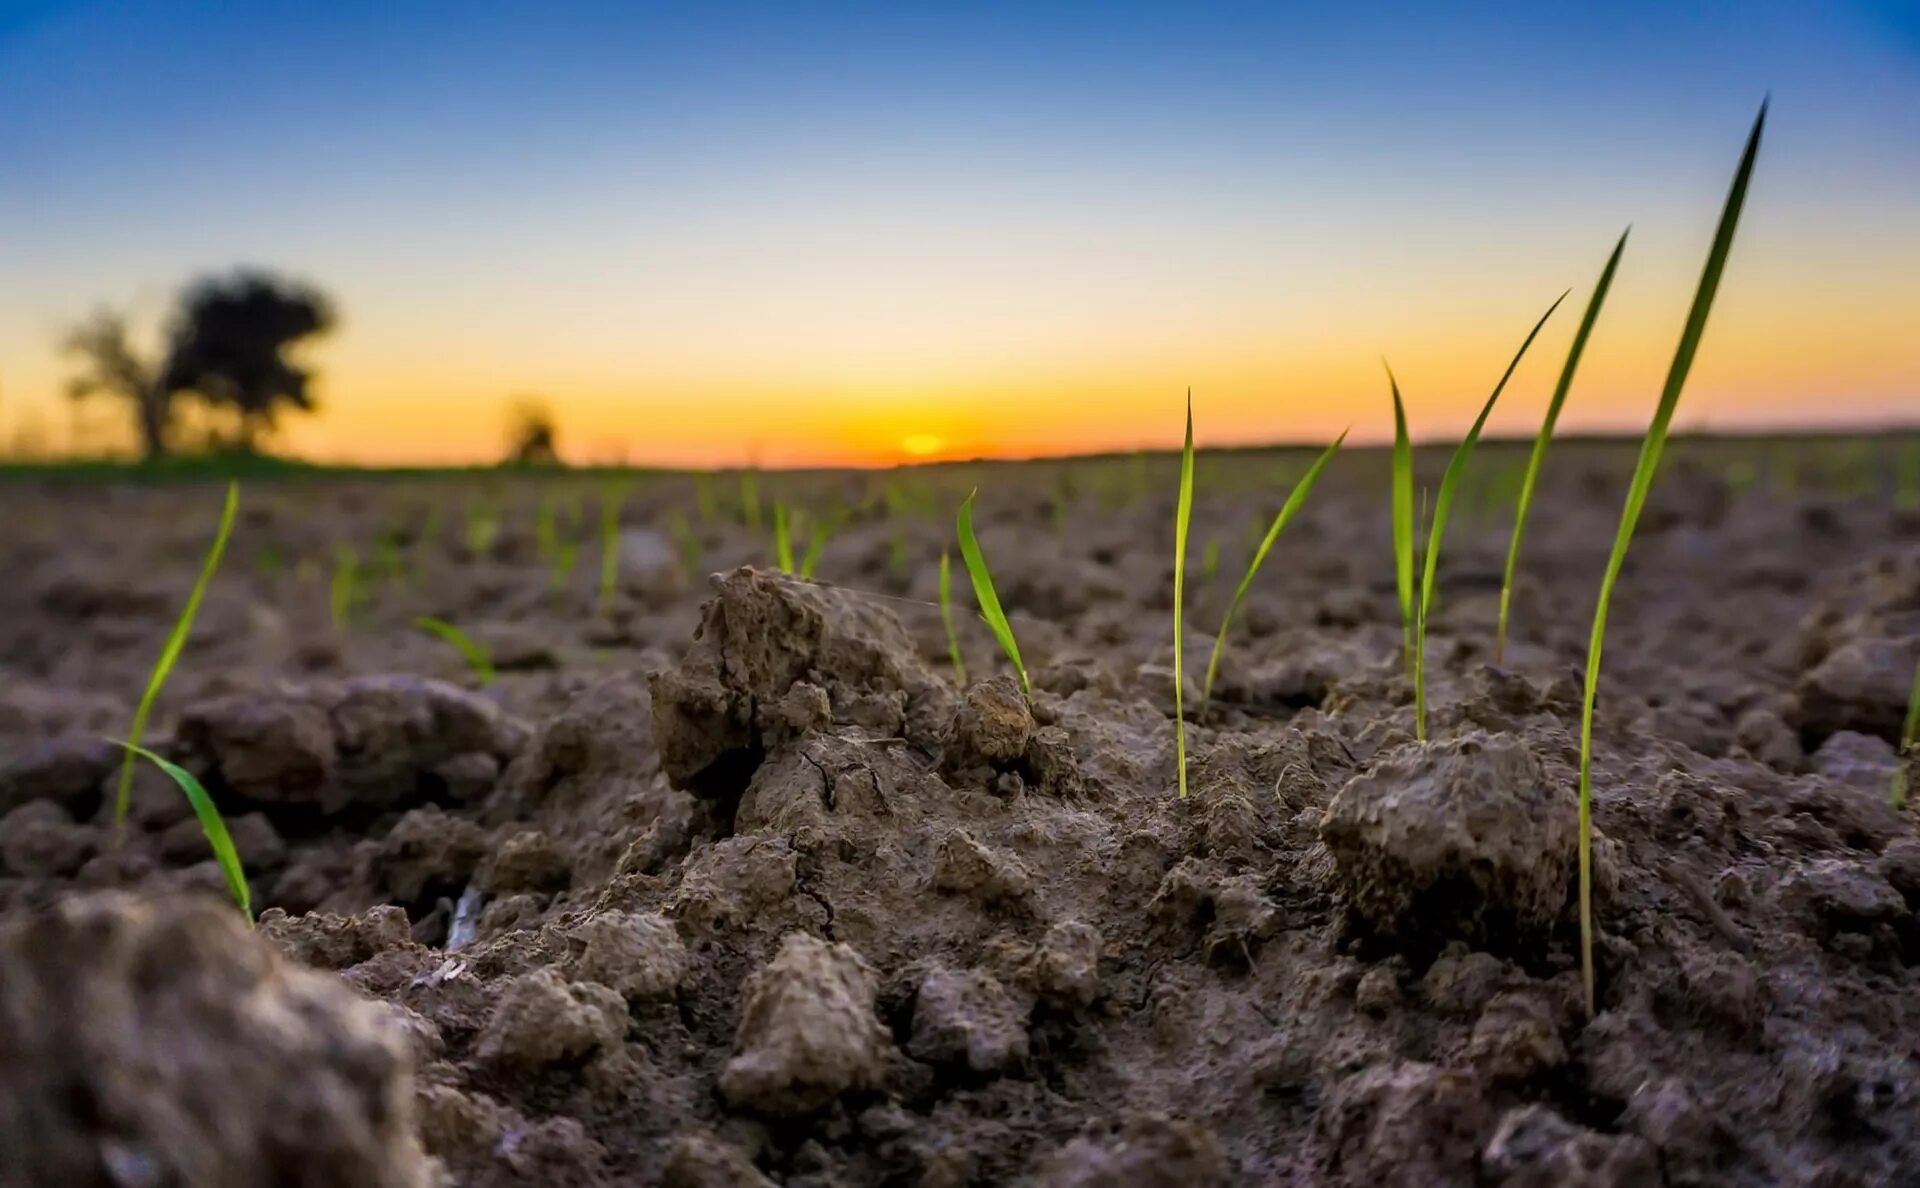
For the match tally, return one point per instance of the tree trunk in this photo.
(154, 406)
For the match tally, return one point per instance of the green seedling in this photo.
(983, 592)
(211, 824)
(750, 499)
(1402, 521)
(1545, 437)
(169, 654)
(1182, 521)
(1210, 561)
(609, 549)
(705, 505)
(1906, 481)
(476, 654)
(1288, 510)
(685, 540)
(483, 529)
(1649, 463)
(782, 539)
(946, 619)
(1909, 734)
(1442, 503)
(343, 587)
(818, 530)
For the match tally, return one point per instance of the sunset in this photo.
(843, 595)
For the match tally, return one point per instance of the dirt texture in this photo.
(728, 881)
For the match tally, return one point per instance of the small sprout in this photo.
(1442, 502)
(1402, 521)
(750, 499)
(342, 588)
(1210, 561)
(685, 539)
(169, 654)
(483, 529)
(782, 539)
(610, 501)
(818, 530)
(1540, 443)
(477, 656)
(211, 824)
(1650, 450)
(946, 618)
(1182, 519)
(983, 592)
(705, 505)
(1295, 499)
(1909, 733)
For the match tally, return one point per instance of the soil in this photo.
(727, 881)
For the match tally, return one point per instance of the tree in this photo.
(531, 434)
(114, 368)
(229, 346)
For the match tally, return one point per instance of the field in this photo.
(664, 867)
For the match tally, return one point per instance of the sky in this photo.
(793, 234)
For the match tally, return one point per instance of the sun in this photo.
(920, 445)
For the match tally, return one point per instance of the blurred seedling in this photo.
(1402, 521)
(946, 619)
(819, 528)
(1436, 530)
(782, 538)
(343, 588)
(685, 540)
(705, 505)
(984, 594)
(1649, 463)
(1182, 521)
(750, 499)
(478, 658)
(482, 530)
(1545, 438)
(1909, 735)
(211, 824)
(169, 655)
(1295, 498)
(1906, 477)
(1210, 561)
(610, 501)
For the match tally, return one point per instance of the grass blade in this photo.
(1182, 520)
(1908, 733)
(169, 654)
(782, 539)
(983, 592)
(946, 617)
(1650, 449)
(1540, 443)
(1295, 499)
(211, 824)
(1402, 521)
(1442, 503)
(817, 533)
(342, 587)
(477, 656)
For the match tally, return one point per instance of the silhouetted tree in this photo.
(531, 435)
(229, 345)
(114, 368)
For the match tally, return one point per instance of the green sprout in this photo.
(1909, 732)
(482, 530)
(750, 499)
(1210, 561)
(342, 587)
(477, 656)
(983, 592)
(946, 618)
(818, 530)
(782, 539)
(169, 654)
(211, 824)
(705, 505)
(1182, 520)
(684, 538)
(609, 548)
(1402, 521)
(1540, 443)
(1295, 499)
(1650, 449)
(1442, 503)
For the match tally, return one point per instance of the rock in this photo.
(1766, 736)
(1464, 839)
(1403, 1125)
(542, 1019)
(967, 1019)
(808, 1032)
(1858, 761)
(39, 840)
(717, 712)
(467, 777)
(650, 564)
(1841, 895)
(427, 851)
(1516, 1040)
(1066, 968)
(372, 741)
(1900, 866)
(1534, 1147)
(1860, 685)
(963, 866)
(1461, 981)
(527, 861)
(162, 1043)
(1051, 764)
(991, 726)
(1150, 1151)
(67, 770)
(702, 1161)
(639, 955)
(327, 941)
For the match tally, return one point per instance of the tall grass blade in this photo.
(983, 592)
(1650, 449)
(169, 654)
(1402, 521)
(1295, 499)
(1540, 443)
(1442, 503)
(946, 618)
(211, 824)
(477, 656)
(1182, 521)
